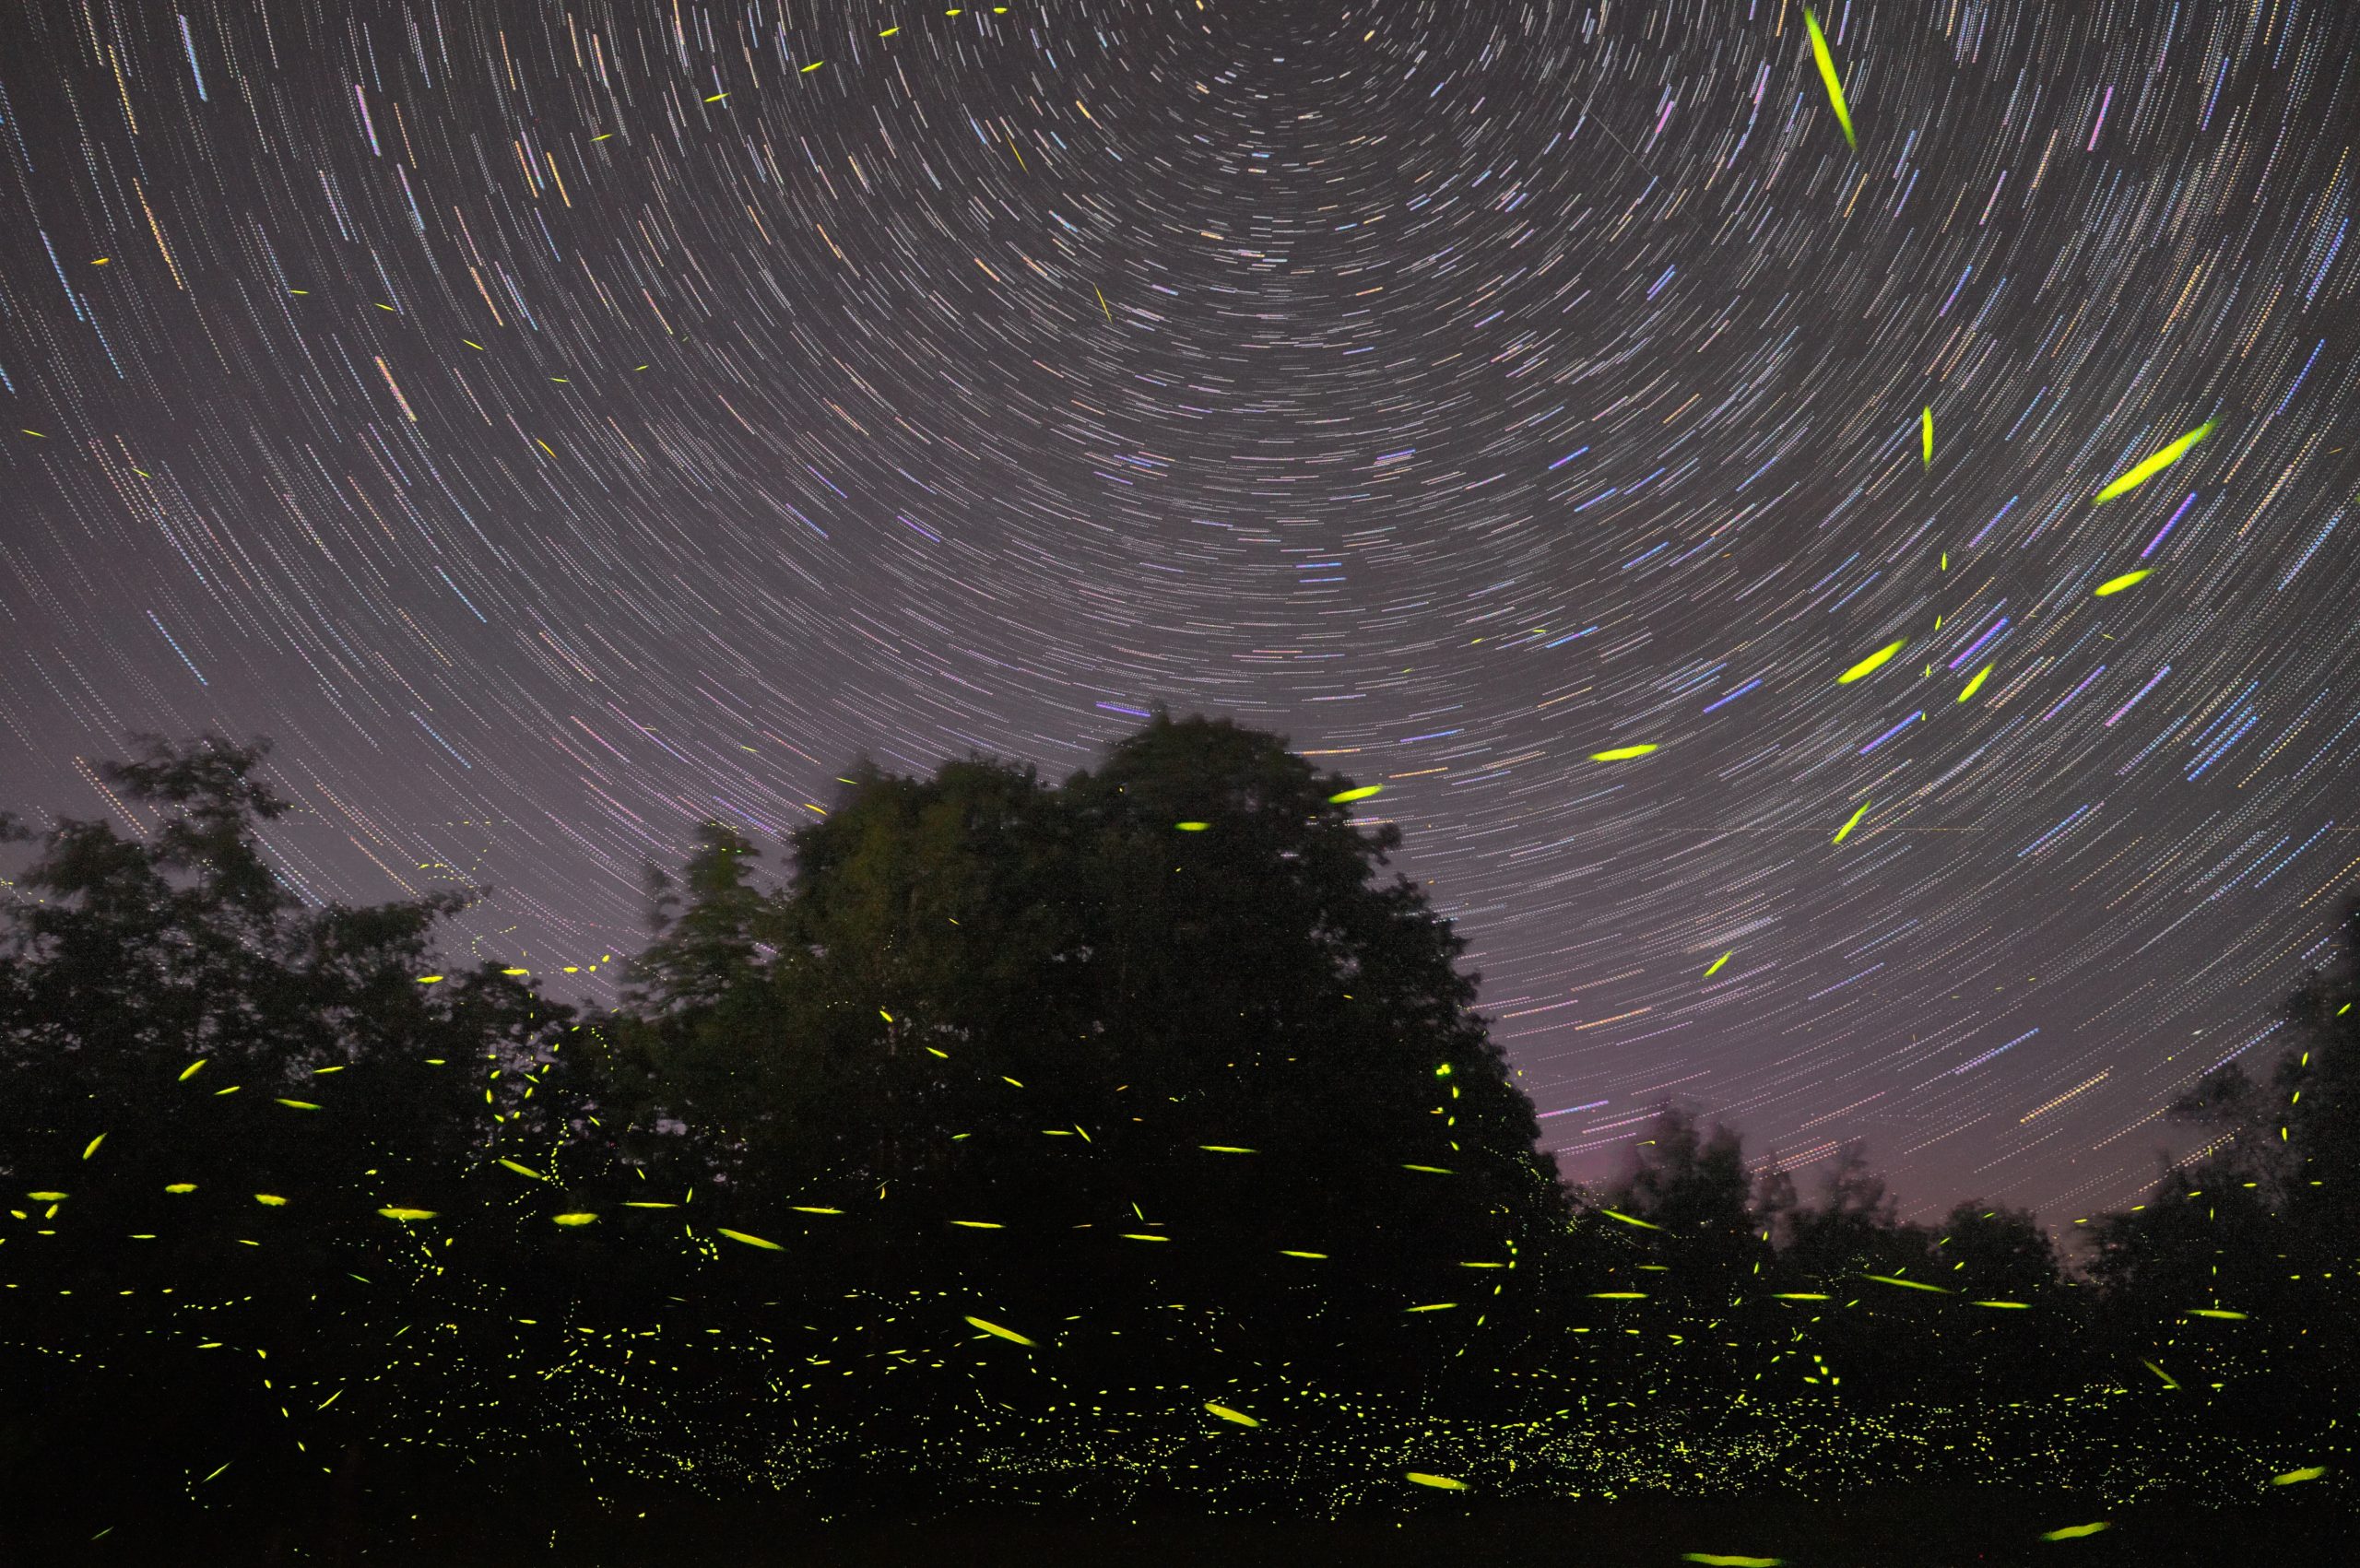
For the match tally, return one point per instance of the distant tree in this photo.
(678, 1067)
(1775, 1201)
(2312, 1108)
(1679, 1246)
(1879, 1338)
(2238, 1262)
(1685, 1178)
(1854, 1228)
(1692, 1184)
(704, 951)
(1995, 1252)
(2212, 1226)
(2018, 1320)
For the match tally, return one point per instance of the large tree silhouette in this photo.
(1157, 1035)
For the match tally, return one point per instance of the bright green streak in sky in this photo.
(1827, 74)
(2153, 466)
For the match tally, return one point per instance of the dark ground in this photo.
(1916, 1528)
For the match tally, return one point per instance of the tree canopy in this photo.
(215, 1093)
(1170, 1001)
(1005, 1096)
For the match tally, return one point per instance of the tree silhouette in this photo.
(1996, 1253)
(1834, 1265)
(1854, 1228)
(1692, 1183)
(1155, 1035)
(2316, 1094)
(2019, 1325)
(194, 1060)
(2238, 1264)
(1150, 1072)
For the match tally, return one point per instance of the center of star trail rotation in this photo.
(1830, 528)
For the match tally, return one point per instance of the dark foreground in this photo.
(1913, 1528)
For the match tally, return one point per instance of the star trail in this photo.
(1858, 501)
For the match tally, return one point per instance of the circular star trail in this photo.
(554, 425)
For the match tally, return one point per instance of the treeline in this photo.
(1076, 1104)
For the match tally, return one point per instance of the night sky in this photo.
(556, 423)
